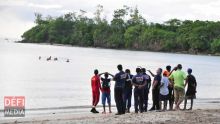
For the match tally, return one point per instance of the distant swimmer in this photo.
(49, 58)
(55, 59)
(67, 60)
(39, 57)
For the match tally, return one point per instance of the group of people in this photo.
(167, 86)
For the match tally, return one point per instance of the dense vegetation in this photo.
(127, 30)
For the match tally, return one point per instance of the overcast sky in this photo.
(17, 16)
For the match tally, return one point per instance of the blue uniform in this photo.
(119, 89)
(128, 92)
(146, 90)
(138, 79)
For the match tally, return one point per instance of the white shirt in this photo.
(164, 89)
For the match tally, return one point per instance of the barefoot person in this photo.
(120, 78)
(178, 77)
(128, 90)
(139, 82)
(95, 83)
(106, 92)
(191, 89)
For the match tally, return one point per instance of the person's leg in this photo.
(191, 104)
(109, 101)
(135, 100)
(117, 97)
(103, 102)
(157, 100)
(122, 101)
(129, 99)
(125, 99)
(176, 98)
(181, 97)
(141, 100)
(185, 103)
(154, 102)
(145, 95)
(165, 105)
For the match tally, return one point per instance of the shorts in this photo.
(164, 97)
(179, 94)
(105, 96)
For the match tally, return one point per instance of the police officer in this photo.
(120, 78)
(146, 88)
(139, 82)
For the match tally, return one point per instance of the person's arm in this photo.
(145, 83)
(111, 75)
(151, 73)
(161, 84)
(186, 82)
(174, 69)
(149, 84)
(101, 74)
(154, 84)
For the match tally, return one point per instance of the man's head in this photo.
(120, 67)
(179, 66)
(189, 70)
(96, 72)
(138, 70)
(143, 70)
(159, 71)
(168, 68)
(127, 71)
(106, 75)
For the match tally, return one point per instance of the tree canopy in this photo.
(127, 30)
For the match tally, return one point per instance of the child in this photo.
(164, 91)
(105, 88)
(191, 89)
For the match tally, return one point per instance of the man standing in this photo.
(128, 90)
(146, 88)
(96, 87)
(178, 77)
(191, 89)
(156, 89)
(139, 82)
(167, 73)
(120, 78)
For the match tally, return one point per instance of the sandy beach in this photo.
(196, 116)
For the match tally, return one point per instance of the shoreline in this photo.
(179, 52)
(201, 113)
(197, 116)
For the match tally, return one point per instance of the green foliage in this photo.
(215, 45)
(128, 29)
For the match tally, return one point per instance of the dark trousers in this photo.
(127, 98)
(119, 100)
(171, 96)
(138, 99)
(156, 104)
(146, 91)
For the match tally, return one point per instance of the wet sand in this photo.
(201, 116)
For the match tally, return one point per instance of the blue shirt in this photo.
(139, 79)
(120, 79)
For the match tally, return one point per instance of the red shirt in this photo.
(95, 83)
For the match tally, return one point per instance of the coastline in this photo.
(201, 114)
(198, 116)
(179, 52)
